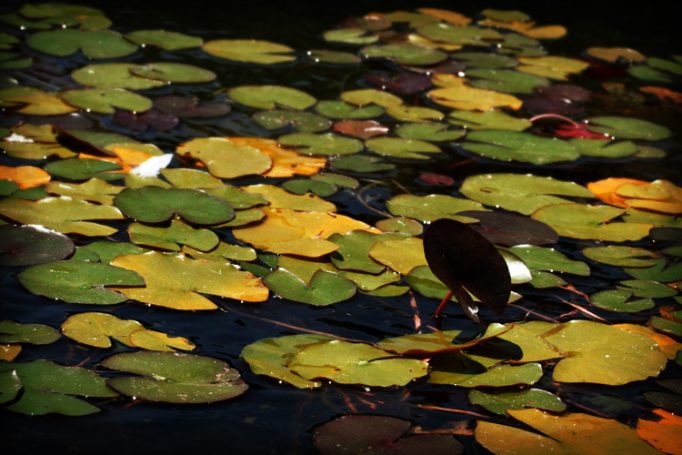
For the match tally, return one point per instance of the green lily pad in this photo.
(400, 225)
(355, 363)
(414, 113)
(361, 163)
(661, 271)
(500, 402)
(507, 81)
(152, 204)
(172, 377)
(343, 110)
(64, 215)
(457, 369)
(529, 337)
(33, 101)
(353, 252)
(83, 169)
(368, 96)
(343, 181)
(60, 14)
(666, 325)
(334, 57)
(305, 122)
(485, 60)
(325, 288)
(14, 61)
(549, 260)
(113, 75)
(13, 332)
(271, 97)
(620, 300)
(628, 128)
(621, 256)
(105, 251)
(30, 245)
(350, 36)
(401, 148)
(173, 72)
(454, 34)
(93, 190)
(431, 207)
(164, 39)
(597, 148)
(105, 101)
(93, 43)
(518, 146)
(78, 282)
(367, 282)
(51, 388)
(520, 193)
(221, 252)
(326, 144)
(405, 54)
(432, 131)
(551, 66)
(303, 186)
(647, 73)
(488, 120)
(170, 238)
(249, 51)
(595, 222)
(270, 357)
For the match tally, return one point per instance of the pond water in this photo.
(276, 417)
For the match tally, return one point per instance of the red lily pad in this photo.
(190, 106)
(432, 178)
(362, 129)
(402, 84)
(153, 119)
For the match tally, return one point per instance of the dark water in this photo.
(279, 419)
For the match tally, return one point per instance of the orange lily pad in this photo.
(24, 176)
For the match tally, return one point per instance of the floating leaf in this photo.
(401, 148)
(549, 259)
(64, 215)
(84, 169)
(223, 251)
(620, 300)
(105, 251)
(303, 186)
(174, 378)
(169, 238)
(32, 244)
(359, 128)
(285, 163)
(174, 281)
(518, 146)
(334, 57)
(350, 36)
(615, 54)
(405, 54)
(113, 75)
(361, 163)
(455, 34)
(270, 357)
(271, 97)
(93, 43)
(430, 207)
(570, 433)
(321, 144)
(666, 325)
(622, 256)
(499, 403)
(282, 199)
(488, 120)
(152, 204)
(457, 369)
(663, 434)
(520, 193)
(343, 110)
(9, 385)
(59, 14)
(224, 158)
(354, 247)
(24, 176)
(628, 128)
(13, 332)
(103, 101)
(355, 363)
(510, 229)
(93, 190)
(325, 288)
(173, 72)
(456, 95)
(507, 81)
(164, 39)
(249, 51)
(401, 255)
(51, 388)
(414, 113)
(302, 121)
(551, 67)
(33, 101)
(400, 225)
(402, 83)
(661, 271)
(432, 131)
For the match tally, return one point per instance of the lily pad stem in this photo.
(556, 117)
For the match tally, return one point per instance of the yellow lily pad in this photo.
(399, 255)
(285, 163)
(455, 94)
(224, 158)
(552, 67)
(280, 198)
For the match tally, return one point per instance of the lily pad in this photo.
(457, 369)
(164, 39)
(271, 97)
(507, 81)
(32, 244)
(457, 95)
(350, 36)
(333, 57)
(628, 128)
(455, 34)
(33, 101)
(169, 238)
(499, 403)
(431, 207)
(84, 169)
(113, 75)
(249, 51)
(93, 43)
(361, 163)
(174, 378)
(343, 110)
(518, 146)
(327, 144)
(402, 148)
(225, 158)
(152, 204)
(432, 131)
(279, 198)
(173, 72)
(622, 256)
(510, 229)
(14, 332)
(405, 54)
(303, 186)
(93, 190)
(325, 288)
(488, 120)
(305, 122)
(551, 66)
(401, 255)
(354, 247)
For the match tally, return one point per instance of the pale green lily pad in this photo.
(164, 39)
(366, 282)
(105, 251)
(281, 198)
(153, 204)
(598, 148)
(528, 336)
(424, 344)
(51, 388)
(518, 146)
(350, 36)
(305, 122)
(656, 219)
(326, 144)
(622, 256)
(431, 207)
(84, 169)
(325, 288)
(457, 369)
(507, 81)
(113, 75)
(353, 252)
(414, 113)
(93, 190)
(237, 197)
(172, 377)
(595, 222)
(249, 51)
(390, 290)
(400, 225)
(244, 217)
(552, 67)
(342, 110)
(402, 148)
(14, 332)
(193, 179)
(488, 120)
(93, 43)
(334, 57)
(33, 101)
(454, 34)
(60, 14)
(355, 363)
(628, 128)
(361, 163)
(270, 357)
(620, 300)
(500, 402)
(485, 60)
(520, 193)
(336, 179)
(105, 101)
(432, 132)
(303, 186)
(78, 282)
(548, 259)
(405, 54)
(369, 96)
(62, 214)
(170, 238)
(305, 269)
(223, 251)
(173, 72)
(662, 271)
(271, 97)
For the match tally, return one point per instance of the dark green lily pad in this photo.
(173, 72)
(350, 36)
(488, 120)
(14, 61)
(666, 325)
(270, 357)
(78, 282)
(549, 259)
(400, 225)
(620, 300)
(60, 14)
(628, 128)
(172, 377)
(662, 271)
(164, 39)
(433, 132)
(353, 252)
(343, 110)
(507, 81)
(113, 75)
(51, 388)
(326, 144)
(647, 73)
(170, 238)
(454, 34)
(105, 251)
(93, 43)
(500, 402)
(249, 51)
(361, 163)
(405, 54)
(621, 256)
(431, 207)
(152, 204)
(325, 288)
(336, 180)
(13, 332)
(334, 57)
(485, 60)
(271, 97)
(458, 369)
(518, 146)
(402, 148)
(31, 244)
(305, 122)
(303, 186)
(83, 169)
(598, 148)
(106, 101)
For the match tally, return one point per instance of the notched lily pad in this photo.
(325, 288)
(31, 245)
